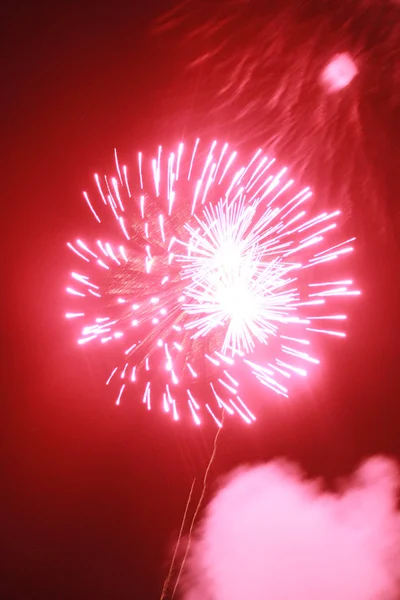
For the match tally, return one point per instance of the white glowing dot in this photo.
(118, 334)
(135, 306)
(339, 72)
(135, 322)
(160, 343)
(163, 311)
(155, 321)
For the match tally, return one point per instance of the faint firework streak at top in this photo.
(314, 82)
(209, 272)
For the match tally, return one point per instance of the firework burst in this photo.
(210, 270)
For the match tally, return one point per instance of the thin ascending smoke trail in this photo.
(171, 568)
(192, 524)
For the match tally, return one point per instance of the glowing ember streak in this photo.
(71, 247)
(111, 375)
(91, 207)
(234, 296)
(120, 394)
(241, 413)
(252, 417)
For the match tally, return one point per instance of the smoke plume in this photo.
(271, 534)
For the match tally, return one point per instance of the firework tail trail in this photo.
(199, 504)
(171, 568)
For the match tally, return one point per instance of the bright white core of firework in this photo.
(235, 282)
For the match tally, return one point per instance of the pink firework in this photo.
(210, 272)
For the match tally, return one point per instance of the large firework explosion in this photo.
(210, 272)
(315, 81)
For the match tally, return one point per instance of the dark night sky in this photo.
(92, 495)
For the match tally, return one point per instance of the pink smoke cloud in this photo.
(271, 534)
